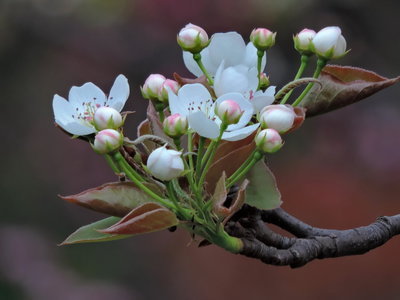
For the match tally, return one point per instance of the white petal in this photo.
(193, 96)
(240, 133)
(340, 47)
(87, 93)
(326, 38)
(227, 46)
(119, 93)
(205, 127)
(175, 105)
(245, 105)
(251, 57)
(63, 112)
(262, 99)
(192, 66)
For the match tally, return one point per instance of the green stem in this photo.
(213, 146)
(177, 142)
(222, 239)
(260, 55)
(256, 157)
(200, 151)
(112, 164)
(136, 179)
(303, 65)
(241, 168)
(197, 58)
(162, 116)
(320, 65)
(190, 150)
(172, 196)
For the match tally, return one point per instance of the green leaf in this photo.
(146, 218)
(90, 234)
(342, 86)
(262, 191)
(116, 199)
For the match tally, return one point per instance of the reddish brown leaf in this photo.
(202, 80)
(116, 199)
(238, 201)
(146, 218)
(227, 147)
(144, 129)
(342, 86)
(228, 163)
(299, 119)
(155, 123)
(219, 197)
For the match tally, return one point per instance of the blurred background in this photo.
(339, 170)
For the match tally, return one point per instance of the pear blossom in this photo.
(302, 40)
(76, 115)
(165, 164)
(279, 117)
(229, 47)
(167, 84)
(195, 102)
(107, 118)
(152, 86)
(243, 80)
(329, 43)
(192, 38)
(107, 140)
(175, 125)
(228, 111)
(268, 140)
(262, 38)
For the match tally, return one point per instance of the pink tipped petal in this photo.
(205, 127)
(240, 133)
(86, 93)
(119, 93)
(227, 46)
(245, 106)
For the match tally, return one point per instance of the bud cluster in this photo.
(156, 87)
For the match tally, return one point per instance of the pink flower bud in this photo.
(165, 164)
(264, 81)
(329, 43)
(228, 111)
(152, 86)
(268, 140)
(279, 117)
(107, 118)
(175, 125)
(107, 140)
(302, 41)
(192, 38)
(172, 85)
(262, 38)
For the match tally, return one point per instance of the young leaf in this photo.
(116, 199)
(90, 234)
(342, 86)
(146, 218)
(219, 197)
(144, 129)
(155, 124)
(263, 192)
(228, 163)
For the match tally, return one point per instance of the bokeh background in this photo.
(339, 170)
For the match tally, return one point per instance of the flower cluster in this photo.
(208, 131)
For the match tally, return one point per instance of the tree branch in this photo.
(309, 243)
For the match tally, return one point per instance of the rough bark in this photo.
(308, 243)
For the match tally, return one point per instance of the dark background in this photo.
(339, 170)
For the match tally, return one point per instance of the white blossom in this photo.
(76, 115)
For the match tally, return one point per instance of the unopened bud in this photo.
(264, 81)
(152, 86)
(228, 111)
(107, 118)
(175, 125)
(168, 84)
(329, 43)
(279, 117)
(268, 140)
(302, 41)
(107, 140)
(165, 164)
(262, 38)
(192, 38)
